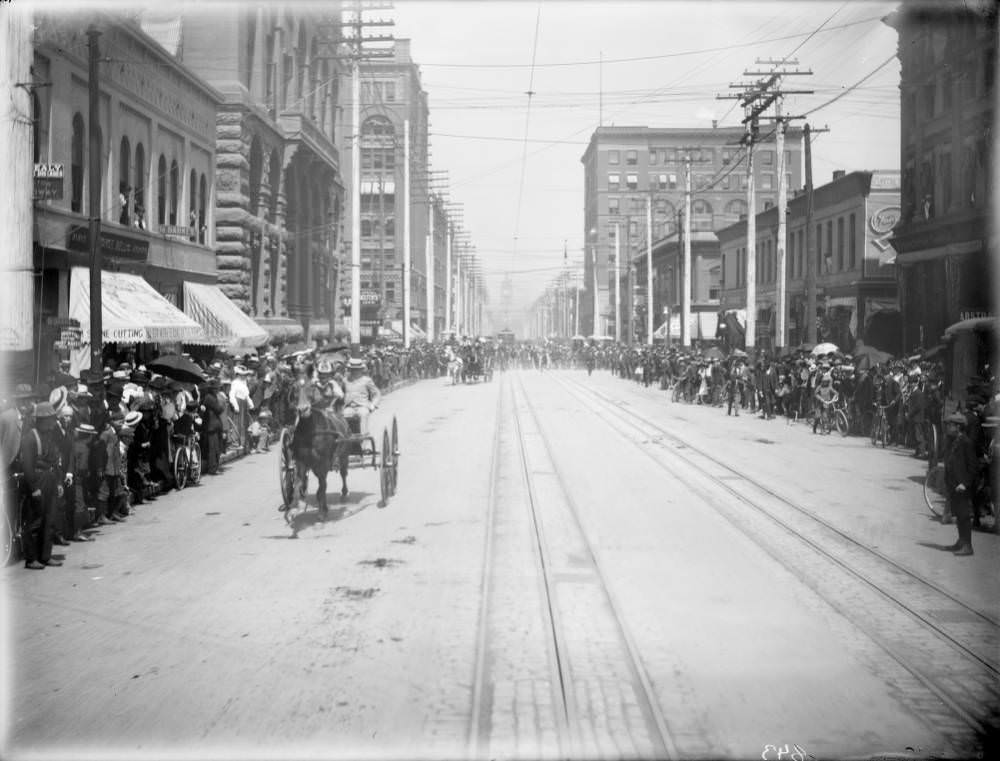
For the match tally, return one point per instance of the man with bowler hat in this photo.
(44, 474)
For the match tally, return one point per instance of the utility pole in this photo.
(406, 236)
(447, 278)
(618, 297)
(756, 99)
(16, 267)
(810, 252)
(686, 262)
(357, 42)
(94, 206)
(429, 264)
(649, 270)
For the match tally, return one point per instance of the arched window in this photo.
(202, 209)
(701, 206)
(737, 207)
(139, 190)
(193, 206)
(124, 189)
(77, 157)
(161, 191)
(175, 181)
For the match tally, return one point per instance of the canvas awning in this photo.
(416, 331)
(224, 323)
(131, 310)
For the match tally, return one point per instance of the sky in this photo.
(514, 161)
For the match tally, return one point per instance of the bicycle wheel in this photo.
(286, 470)
(841, 420)
(883, 433)
(7, 537)
(874, 432)
(933, 445)
(394, 439)
(181, 468)
(194, 460)
(933, 489)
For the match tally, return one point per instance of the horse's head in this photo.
(303, 397)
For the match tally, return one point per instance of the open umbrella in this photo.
(824, 348)
(877, 356)
(177, 367)
(713, 352)
(738, 353)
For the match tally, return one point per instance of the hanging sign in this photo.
(48, 182)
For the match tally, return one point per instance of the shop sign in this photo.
(176, 231)
(885, 181)
(48, 184)
(883, 220)
(370, 298)
(112, 244)
(974, 314)
(69, 339)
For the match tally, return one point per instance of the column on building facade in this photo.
(231, 233)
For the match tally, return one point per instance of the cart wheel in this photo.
(394, 437)
(383, 472)
(286, 470)
(181, 468)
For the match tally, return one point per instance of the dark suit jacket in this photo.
(960, 464)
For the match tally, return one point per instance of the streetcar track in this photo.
(738, 475)
(683, 451)
(664, 746)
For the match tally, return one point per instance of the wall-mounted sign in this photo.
(112, 244)
(883, 220)
(48, 182)
(885, 180)
(176, 231)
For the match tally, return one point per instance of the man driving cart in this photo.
(361, 395)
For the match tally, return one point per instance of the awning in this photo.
(224, 323)
(131, 310)
(969, 325)
(416, 331)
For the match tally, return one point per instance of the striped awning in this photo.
(224, 323)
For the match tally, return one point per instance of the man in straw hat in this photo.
(960, 472)
(44, 473)
(361, 395)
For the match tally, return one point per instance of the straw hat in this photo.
(356, 363)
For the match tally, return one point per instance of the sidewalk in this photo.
(873, 495)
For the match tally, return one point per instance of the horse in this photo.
(455, 368)
(318, 444)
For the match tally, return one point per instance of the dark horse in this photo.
(319, 444)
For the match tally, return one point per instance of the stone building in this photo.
(279, 192)
(948, 57)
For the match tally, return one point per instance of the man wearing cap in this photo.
(110, 471)
(961, 470)
(211, 410)
(44, 474)
(81, 496)
(361, 395)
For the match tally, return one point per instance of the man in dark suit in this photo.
(211, 410)
(44, 473)
(960, 471)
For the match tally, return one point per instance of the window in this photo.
(767, 158)
(661, 182)
(725, 182)
(727, 156)
(700, 182)
(852, 243)
(366, 228)
(193, 206)
(390, 92)
(736, 208)
(672, 181)
(390, 227)
(828, 251)
(708, 154)
(802, 252)
(175, 181)
(791, 255)
(661, 205)
(633, 229)
(614, 157)
(124, 190)
(612, 232)
(741, 178)
(767, 182)
(638, 205)
(77, 154)
(840, 244)
(202, 208)
(632, 181)
(139, 194)
(788, 181)
(613, 206)
(652, 155)
(614, 181)
(161, 187)
(768, 204)
(631, 158)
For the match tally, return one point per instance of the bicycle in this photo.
(826, 416)
(13, 523)
(187, 460)
(840, 419)
(880, 426)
